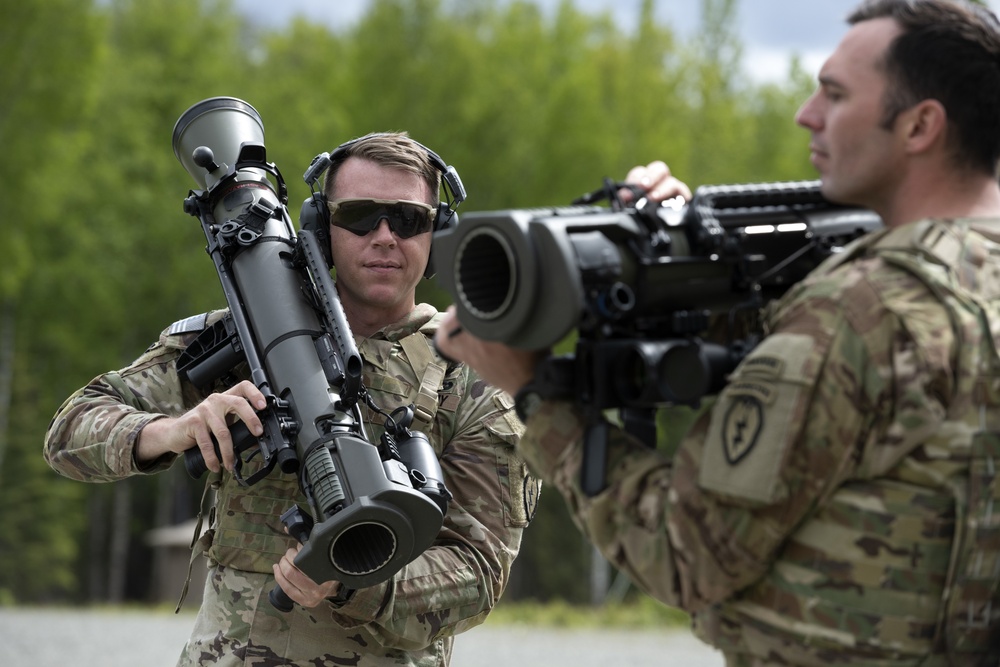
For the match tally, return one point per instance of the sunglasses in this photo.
(362, 215)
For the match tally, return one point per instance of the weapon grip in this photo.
(595, 458)
(299, 524)
(280, 600)
(195, 462)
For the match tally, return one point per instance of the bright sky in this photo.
(771, 30)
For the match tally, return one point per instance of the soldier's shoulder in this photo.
(183, 331)
(193, 324)
(179, 335)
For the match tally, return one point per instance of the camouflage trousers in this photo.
(237, 625)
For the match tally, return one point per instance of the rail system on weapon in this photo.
(663, 299)
(371, 508)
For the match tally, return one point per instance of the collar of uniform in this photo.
(377, 348)
(411, 323)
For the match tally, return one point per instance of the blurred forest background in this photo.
(97, 256)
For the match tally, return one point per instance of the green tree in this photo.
(98, 256)
(107, 234)
(46, 94)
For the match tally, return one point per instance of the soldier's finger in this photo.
(294, 582)
(243, 411)
(638, 175)
(279, 577)
(208, 448)
(251, 392)
(219, 428)
(668, 188)
(656, 171)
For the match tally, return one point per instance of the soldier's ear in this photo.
(924, 126)
(315, 217)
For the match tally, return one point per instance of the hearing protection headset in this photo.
(315, 214)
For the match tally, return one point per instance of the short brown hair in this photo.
(390, 149)
(948, 51)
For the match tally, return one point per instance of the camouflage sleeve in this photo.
(840, 389)
(93, 435)
(453, 585)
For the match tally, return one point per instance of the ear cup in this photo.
(443, 218)
(316, 218)
(442, 222)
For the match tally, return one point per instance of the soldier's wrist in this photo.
(342, 596)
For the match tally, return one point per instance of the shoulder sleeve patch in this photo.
(754, 421)
(191, 324)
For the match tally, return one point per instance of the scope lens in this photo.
(683, 374)
(661, 373)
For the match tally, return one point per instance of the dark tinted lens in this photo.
(359, 217)
(407, 220)
(362, 217)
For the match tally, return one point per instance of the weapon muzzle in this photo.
(363, 548)
(380, 525)
(485, 271)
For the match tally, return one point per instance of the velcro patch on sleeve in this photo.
(752, 423)
(188, 325)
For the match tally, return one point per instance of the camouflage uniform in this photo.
(408, 620)
(835, 506)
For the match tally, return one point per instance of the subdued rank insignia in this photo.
(742, 426)
(188, 325)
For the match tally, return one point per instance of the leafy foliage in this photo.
(97, 256)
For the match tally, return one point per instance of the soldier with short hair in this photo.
(838, 503)
(137, 421)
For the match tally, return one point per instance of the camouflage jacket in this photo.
(835, 505)
(408, 620)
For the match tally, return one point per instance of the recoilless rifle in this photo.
(664, 299)
(372, 508)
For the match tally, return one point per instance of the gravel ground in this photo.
(63, 638)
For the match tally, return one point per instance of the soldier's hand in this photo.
(655, 178)
(298, 586)
(211, 417)
(504, 367)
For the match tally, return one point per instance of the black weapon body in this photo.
(641, 288)
(370, 511)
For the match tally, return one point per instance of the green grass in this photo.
(642, 613)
